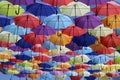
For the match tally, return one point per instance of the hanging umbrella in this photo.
(60, 39)
(58, 21)
(4, 21)
(74, 31)
(84, 40)
(88, 21)
(75, 9)
(5, 44)
(34, 38)
(107, 9)
(108, 50)
(99, 74)
(57, 2)
(85, 66)
(61, 58)
(9, 9)
(9, 37)
(4, 56)
(113, 74)
(41, 9)
(75, 77)
(60, 77)
(45, 65)
(110, 40)
(56, 73)
(44, 30)
(63, 65)
(33, 75)
(20, 2)
(100, 31)
(94, 2)
(27, 21)
(112, 21)
(23, 57)
(16, 29)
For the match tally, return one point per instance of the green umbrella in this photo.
(9, 9)
(25, 63)
(12, 71)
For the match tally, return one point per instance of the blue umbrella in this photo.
(8, 63)
(117, 31)
(23, 44)
(90, 78)
(23, 57)
(4, 21)
(45, 65)
(41, 9)
(71, 73)
(16, 29)
(58, 21)
(46, 76)
(84, 40)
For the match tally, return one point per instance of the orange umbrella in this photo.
(33, 75)
(74, 31)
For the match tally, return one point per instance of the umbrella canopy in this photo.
(74, 31)
(100, 31)
(88, 21)
(60, 39)
(9, 37)
(58, 21)
(41, 9)
(75, 77)
(4, 21)
(23, 57)
(110, 40)
(21, 2)
(94, 2)
(44, 30)
(9, 9)
(84, 40)
(61, 58)
(45, 65)
(112, 21)
(5, 44)
(108, 50)
(57, 2)
(75, 9)
(107, 9)
(34, 38)
(27, 21)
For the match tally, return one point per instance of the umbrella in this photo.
(88, 21)
(75, 9)
(85, 66)
(108, 50)
(113, 74)
(41, 9)
(5, 44)
(58, 21)
(75, 77)
(56, 73)
(74, 31)
(99, 74)
(16, 29)
(61, 58)
(9, 37)
(27, 21)
(45, 65)
(34, 38)
(63, 65)
(60, 77)
(4, 21)
(9, 9)
(4, 55)
(100, 31)
(33, 75)
(110, 40)
(20, 2)
(23, 57)
(12, 71)
(112, 21)
(107, 9)
(84, 40)
(60, 39)
(44, 30)
(57, 2)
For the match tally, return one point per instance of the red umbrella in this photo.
(106, 9)
(42, 57)
(13, 59)
(39, 48)
(110, 40)
(27, 21)
(57, 2)
(110, 62)
(108, 50)
(75, 77)
(74, 31)
(113, 74)
(5, 44)
(34, 38)
(79, 66)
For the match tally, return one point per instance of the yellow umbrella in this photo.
(33, 76)
(79, 70)
(4, 55)
(112, 21)
(64, 65)
(104, 78)
(99, 74)
(60, 39)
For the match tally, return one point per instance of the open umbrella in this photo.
(27, 21)
(107, 9)
(60, 39)
(75, 9)
(21, 2)
(44, 30)
(9, 9)
(88, 21)
(75, 77)
(108, 50)
(112, 21)
(74, 31)
(4, 21)
(58, 21)
(57, 2)
(41, 9)
(34, 38)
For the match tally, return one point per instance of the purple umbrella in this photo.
(44, 30)
(94, 2)
(73, 46)
(22, 2)
(21, 75)
(56, 73)
(61, 58)
(88, 21)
